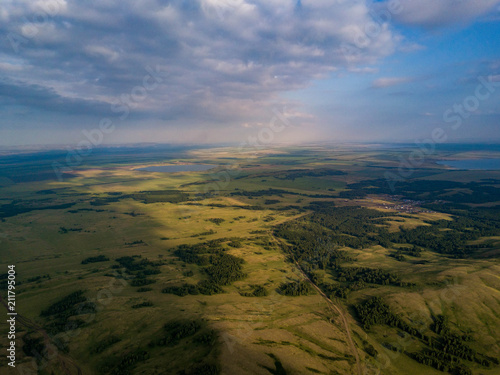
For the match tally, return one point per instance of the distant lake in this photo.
(178, 168)
(482, 164)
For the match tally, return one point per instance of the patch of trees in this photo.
(65, 304)
(398, 255)
(65, 230)
(370, 349)
(368, 275)
(271, 201)
(207, 233)
(63, 314)
(440, 325)
(264, 242)
(20, 207)
(173, 332)
(373, 311)
(225, 269)
(105, 200)
(199, 253)
(216, 220)
(135, 263)
(236, 243)
(141, 281)
(136, 242)
(208, 287)
(257, 291)
(441, 362)
(298, 173)
(296, 288)
(133, 214)
(182, 290)
(413, 252)
(221, 269)
(341, 291)
(142, 304)
(138, 269)
(99, 258)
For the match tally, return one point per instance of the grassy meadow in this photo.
(184, 273)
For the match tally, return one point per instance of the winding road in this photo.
(337, 309)
(332, 306)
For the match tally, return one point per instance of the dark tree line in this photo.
(139, 269)
(99, 258)
(444, 352)
(64, 314)
(481, 192)
(296, 288)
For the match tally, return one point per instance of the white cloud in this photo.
(364, 70)
(107, 53)
(441, 13)
(5, 66)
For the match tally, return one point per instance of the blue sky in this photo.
(211, 71)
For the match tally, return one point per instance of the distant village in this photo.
(405, 205)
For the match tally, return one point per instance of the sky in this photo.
(242, 71)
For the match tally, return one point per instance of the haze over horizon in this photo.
(215, 71)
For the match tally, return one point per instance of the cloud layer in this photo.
(222, 61)
(222, 65)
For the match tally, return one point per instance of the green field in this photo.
(263, 265)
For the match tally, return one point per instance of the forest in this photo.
(446, 350)
(318, 242)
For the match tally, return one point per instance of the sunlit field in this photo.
(254, 267)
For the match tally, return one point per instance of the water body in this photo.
(473, 164)
(178, 168)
